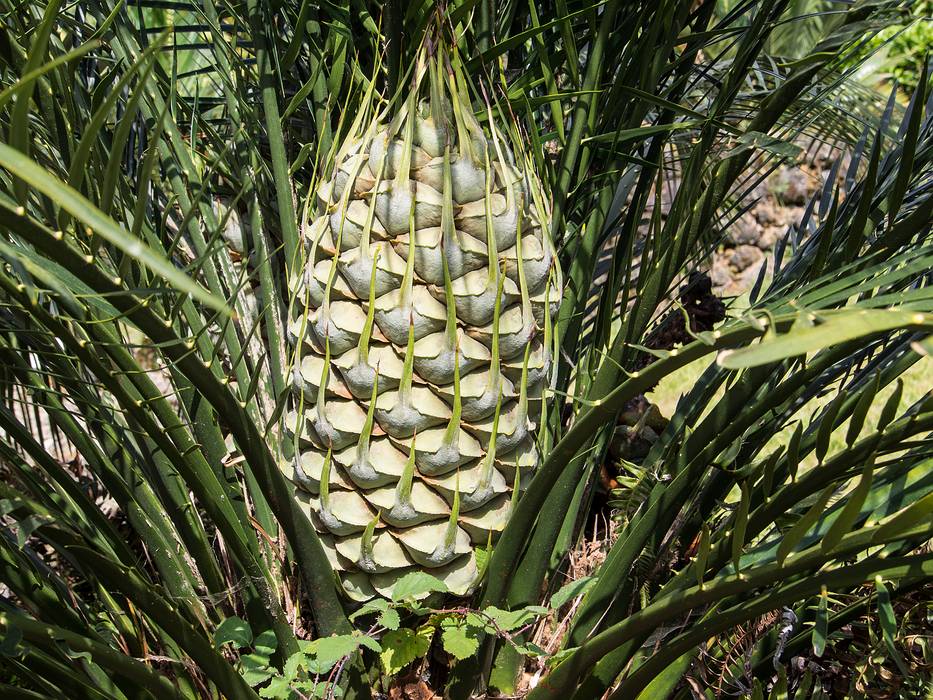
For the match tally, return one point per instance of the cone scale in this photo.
(422, 336)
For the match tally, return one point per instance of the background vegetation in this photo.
(155, 170)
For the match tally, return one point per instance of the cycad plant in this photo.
(318, 322)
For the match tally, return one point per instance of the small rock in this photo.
(769, 236)
(793, 186)
(720, 274)
(759, 191)
(745, 231)
(749, 276)
(744, 256)
(824, 155)
(733, 289)
(766, 213)
(792, 215)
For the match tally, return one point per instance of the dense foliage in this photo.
(157, 174)
(906, 47)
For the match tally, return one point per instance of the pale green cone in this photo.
(423, 337)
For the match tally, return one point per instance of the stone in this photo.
(744, 256)
(766, 213)
(720, 274)
(792, 186)
(745, 231)
(792, 215)
(749, 275)
(769, 236)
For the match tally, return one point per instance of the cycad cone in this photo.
(422, 335)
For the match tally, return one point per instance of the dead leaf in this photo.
(411, 689)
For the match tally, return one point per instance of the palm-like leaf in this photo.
(155, 172)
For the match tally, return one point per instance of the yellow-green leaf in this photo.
(84, 211)
(402, 646)
(833, 328)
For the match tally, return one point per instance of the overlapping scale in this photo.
(422, 337)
